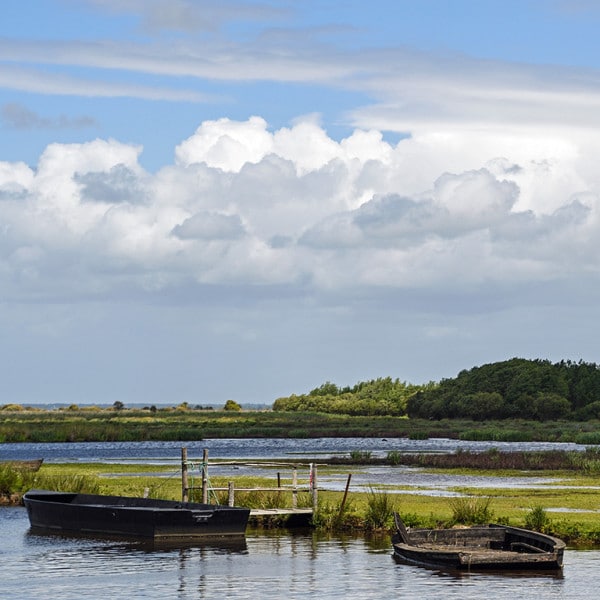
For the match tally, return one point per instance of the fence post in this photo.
(205, 476)
(313, 479)
(230, 494)
(184, 475)
(295, 487)
(343, 504)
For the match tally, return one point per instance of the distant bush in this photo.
(232, 405)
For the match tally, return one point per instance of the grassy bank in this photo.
(566, 506)
(174, 424)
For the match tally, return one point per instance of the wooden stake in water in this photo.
(184, 476)
(205, 476)
(345, 493)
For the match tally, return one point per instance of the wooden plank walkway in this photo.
(276, 512)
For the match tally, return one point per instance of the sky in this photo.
(213, 200)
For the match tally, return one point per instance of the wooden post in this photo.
(313, 479)
(278, 480)
(295, 487)
(345, 493)
(205, 476)
(230, 494)
(184, 476)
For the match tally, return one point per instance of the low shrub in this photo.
(380, 510)
(336, 517)
(360, 456)
(471, 511)
(537, 519)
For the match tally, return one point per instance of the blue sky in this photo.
(211, 200)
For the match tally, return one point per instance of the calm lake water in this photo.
(268, 566)
(169, 453)
(165, 452)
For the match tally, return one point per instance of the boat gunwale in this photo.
(477, 555)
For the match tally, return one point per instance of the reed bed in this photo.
(171, 424)
(361, 511)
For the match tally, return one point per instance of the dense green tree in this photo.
(382, 396)
(232, 405)
(515, 388)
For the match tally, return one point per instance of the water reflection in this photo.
(272, 565)
(235, 545)
(456, 574)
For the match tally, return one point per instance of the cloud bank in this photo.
(248, 207)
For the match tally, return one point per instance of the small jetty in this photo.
(292, 516)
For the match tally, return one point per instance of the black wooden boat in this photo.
(122, 516)
(479, 548)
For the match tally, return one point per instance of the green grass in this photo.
(369, 510)
(15, 481)
(174, 424)
(380, 509)
(471, 510)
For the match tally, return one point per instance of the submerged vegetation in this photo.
(587, 461)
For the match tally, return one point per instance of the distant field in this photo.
(174, 424)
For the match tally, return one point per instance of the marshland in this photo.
(433, 473)
(555, 488)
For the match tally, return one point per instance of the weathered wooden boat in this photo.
(139, 518)
(478, 548)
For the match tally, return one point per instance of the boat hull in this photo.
(132, 517)
(497, 548)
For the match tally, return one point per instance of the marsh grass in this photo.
(170, 424)
(380, 509)
(537, 519)
(15, 480)
(361, 456)
(337, 516)
(472, 510)
(69, 483)
(394, 457)
(570, 490)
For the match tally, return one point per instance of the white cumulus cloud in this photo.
(243, 205)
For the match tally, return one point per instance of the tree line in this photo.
(516, 388)
(382, 396)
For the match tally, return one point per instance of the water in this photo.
(271, 565)
(165, 452)
(408, 479)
